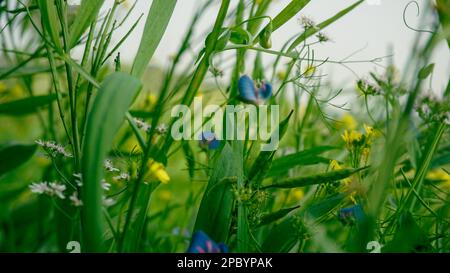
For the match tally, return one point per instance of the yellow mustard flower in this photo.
(347, 121)
(334, 165)
(351, 138)
(295, 195)
(157, 171)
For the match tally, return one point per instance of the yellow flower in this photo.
(334, 165)
(150, 100)
(281, 75)
(439, 175)
(295, 195)
(347, 121)
(369, 130)
(351, 138)
(157, 171)
(309, 70)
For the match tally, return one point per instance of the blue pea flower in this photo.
(351, 214)
(201, 243)
(208, 140)
(254, 93)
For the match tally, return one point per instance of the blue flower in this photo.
(350, 214)
(208, 140)
(201, 243)
(254, 93)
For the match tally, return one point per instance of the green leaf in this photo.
(155, 26)
(13, 156)
(283, 236)
(288, 12)
(86, 14)
(426, 71)
(25, 106)
(304, 181)
(50, 21)
(304, 158)
(275, 216)
(115, 95)
(311, 31)
(215, 212)
(264, 159)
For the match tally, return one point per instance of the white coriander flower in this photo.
(447, 118)
(78, 179)
(53, 148)
(142, 125)
(75, 200)
(105, 185)
(108, 202)
(58, 190)
(162, 129)
(122, 176)
(40, 188)
(109, 166)
(307, 22)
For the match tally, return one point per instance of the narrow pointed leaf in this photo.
(87, 13)
(155, 26)
(107, 115)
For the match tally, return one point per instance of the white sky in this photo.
(373, 27)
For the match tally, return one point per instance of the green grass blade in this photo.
(50, 21)
(304, 158)
(297, 182)
(311, 31)
(215, 212)
(12, 156)
(107, 115)
(155, 26)
(288, 12)
(26, 106)
(86, 15)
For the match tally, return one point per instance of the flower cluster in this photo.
(143, 125)
(50, 189)
(307, 22)
(359, 144)
(432, 109)
(53, 148)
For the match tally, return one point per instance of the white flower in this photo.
(40, 188)
(50, 189)
(75, 200)
(78, 179)
(58, 190)
(108, 202)
(162, 129)
(142, 125)
(122, 176)
(105, 185)
(447, 118)
(307, 22)
(425, 109)
(53, 148)
(322, 37)
(109, 166)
